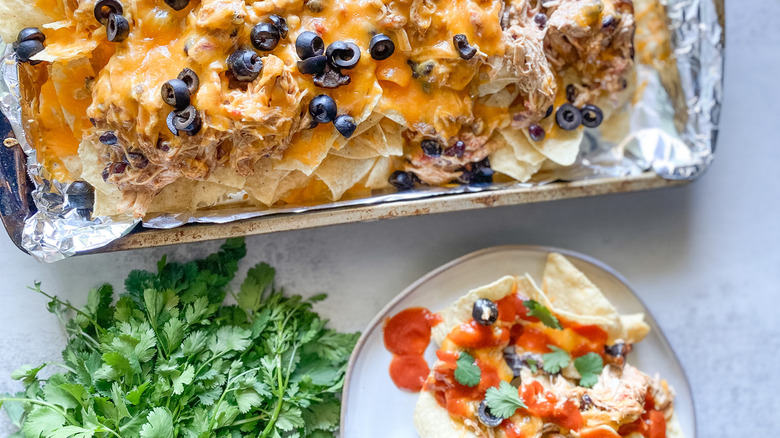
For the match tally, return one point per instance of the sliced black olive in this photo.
(343, 54)
(431, 148)
(456, 150)
(571, 93)
(331, 78)
(381, 47)
(187, 120)
(620, 349)
(177, 5)
(465, 50)
(536, 132)
(281, 25)
(592, 116)
(486, 417)
(309, 44)
(190, 78)
(80, 195)
(484, 311)
(541, 20)
(264, 36)
(118, 28)
(323, 109)
(401, 180)
(519, 361)
(345, 125)
(170, 122)
(245, 65)
(176, 93)
(27, 49)
(568, 117)
(139, 161)
(314, 65)
(30, 33)
(108, 138)
(549, 111)
(104, 9)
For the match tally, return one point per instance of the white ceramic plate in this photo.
(373, 407)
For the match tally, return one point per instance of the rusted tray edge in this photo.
(284, 222)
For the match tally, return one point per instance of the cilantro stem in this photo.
(278, 409)
(246, 420)
(38, 289)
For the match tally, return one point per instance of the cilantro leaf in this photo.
(531, 364)
(159, 424)
(504, 400)
(589, 366)
(467, 372)
(556, 360)
(543, 314)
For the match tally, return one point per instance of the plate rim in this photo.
(379, 317)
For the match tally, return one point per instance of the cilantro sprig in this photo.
(467, 372)
(504, 400)
(543, 314)
(556, 360)
(589, 366)
(170, 359)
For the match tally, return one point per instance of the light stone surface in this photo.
(705, 258)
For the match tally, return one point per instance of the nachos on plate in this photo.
(515, 360)
(179, 105)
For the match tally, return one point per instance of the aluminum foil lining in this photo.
(659, 141)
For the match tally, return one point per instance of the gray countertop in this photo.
(705, 258)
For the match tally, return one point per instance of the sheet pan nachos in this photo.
(176, 105)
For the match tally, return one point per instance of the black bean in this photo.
(117, 168)
(245, 65)
(484, 312)
(456, 150)
(323, 109)
(343, 54)
(309, 44)
(568, 117)
(265, 37)
(401, 180)
(175, 93)
(541, 20)
(137, 160)
(462, 46)
(536, 132)
(431, 148)
(104, 9)
(571, 93)
(381, 47)
(118, 28)
(549, 111)
(108, 138)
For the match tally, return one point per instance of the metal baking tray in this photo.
(16, 201)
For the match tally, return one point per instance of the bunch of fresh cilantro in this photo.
(170, 360)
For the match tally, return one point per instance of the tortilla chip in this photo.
(378, 176)
(433, 421)
(106, 204)
(459, 312)
(634, 327)
(226, 176)
(71, 81)
(175, 197)
(394, 141)
(503, 160)
(206, 195)
(307, 149)
(339, 173)
(92, 170)
(559, 145)
(264, 182)
(362, 127)
(15, 15)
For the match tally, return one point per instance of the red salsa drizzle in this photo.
(652, 423)
(545, 406)
(407, 335)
